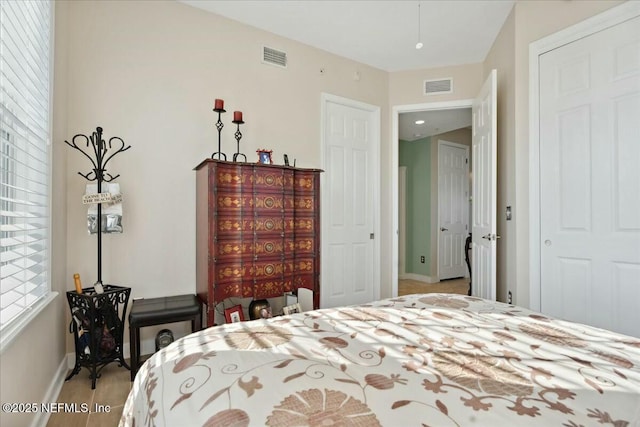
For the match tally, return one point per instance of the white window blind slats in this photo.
(17, 253)
(24, 202)
(25, 48)
(21, 134)
(29, 178)
(30, 24)
(31, 50)
(27, 112)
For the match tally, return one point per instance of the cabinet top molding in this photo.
(260, 165)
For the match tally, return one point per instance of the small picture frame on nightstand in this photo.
(233, 314)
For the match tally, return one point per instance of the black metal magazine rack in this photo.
(98, 313)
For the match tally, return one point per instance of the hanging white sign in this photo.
(89, 199)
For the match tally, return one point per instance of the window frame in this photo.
(17, 326)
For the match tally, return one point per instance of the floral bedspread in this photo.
(432, 360)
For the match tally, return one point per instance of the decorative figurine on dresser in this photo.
(257, 231)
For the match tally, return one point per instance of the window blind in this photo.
(25, 53)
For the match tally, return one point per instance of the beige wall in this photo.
(149, 72)
(29, 365)
(406, 87)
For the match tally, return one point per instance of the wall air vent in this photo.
(274, 57)
(438, 87)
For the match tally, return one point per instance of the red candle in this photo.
(219, 104)
(237, 116)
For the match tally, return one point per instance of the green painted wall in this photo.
(416, 156)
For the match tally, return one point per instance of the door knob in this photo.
(491, 237)
(444, 229)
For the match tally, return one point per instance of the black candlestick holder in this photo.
(238, 136)
(219, 126)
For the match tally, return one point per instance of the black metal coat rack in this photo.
(99, 153)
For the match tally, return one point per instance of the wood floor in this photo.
(453, 286)
(112, 389)
(114, 385)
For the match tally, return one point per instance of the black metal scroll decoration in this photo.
(238, 136)
(101, 155)
(219, 126)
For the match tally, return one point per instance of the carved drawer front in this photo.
(229, 249)
(271, 246)
(305, 224)
(272, 180)
(231, 177)
(234, 203)
(305, 245)
(233, 227)
(305, 204)
(307, 281)
(272, 287)
(304, 265)
(268, 224)
(304, 182)
(274, 203)
(232, 271)
(268, 269)
(238, 289)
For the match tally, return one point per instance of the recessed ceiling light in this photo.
(419, 122)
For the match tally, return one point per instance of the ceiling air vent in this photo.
(438, 87)
(274, 57)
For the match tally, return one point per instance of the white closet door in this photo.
(590, 179)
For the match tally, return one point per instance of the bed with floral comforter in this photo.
(430, 360)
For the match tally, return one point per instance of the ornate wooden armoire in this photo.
(257, 231)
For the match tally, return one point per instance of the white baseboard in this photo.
(53, 391)
(419, 278)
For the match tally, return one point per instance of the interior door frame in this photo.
(374, 113)
(442, 142)
(402, 226)
(395, 162)
(602, 21)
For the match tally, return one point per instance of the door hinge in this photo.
(371, 236)
(466, 161)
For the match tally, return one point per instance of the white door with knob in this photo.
(590, 179)
(485, 184)
(453, 208)
(349, 203)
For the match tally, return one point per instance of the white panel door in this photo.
(590, 179)
(348, 206)
(453, 208)
(485, 186)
